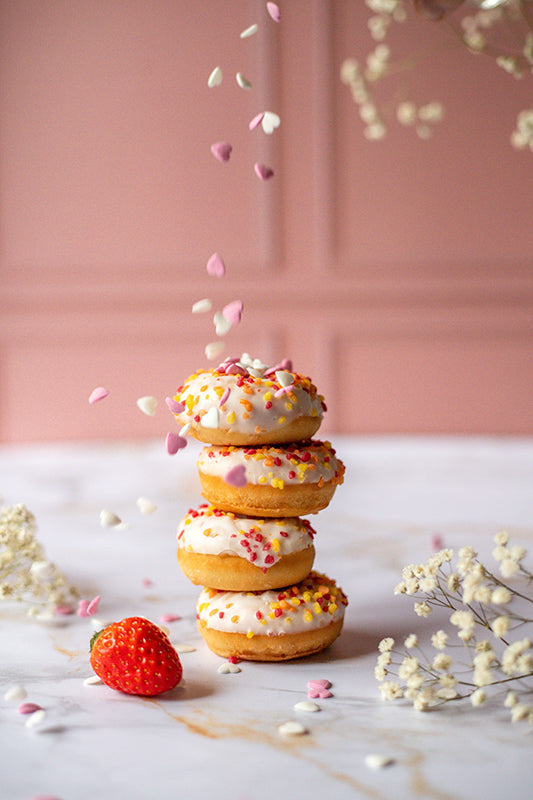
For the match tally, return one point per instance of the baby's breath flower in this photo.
(380, 673)
(411, 641)
(453, 582)
(502, 537)
(408, 667)
(428, 584)
(501, 596)
(391, 690)
(400, 588)
(509, 567)
(500, 626)
(439, 640)
(478, 698)
(448, 680)
(446, 693)
(511, 699)
(442, 661)
(520, 711)
(386, 644)
(384, 658)
(423, 609)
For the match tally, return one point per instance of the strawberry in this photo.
(136, 657)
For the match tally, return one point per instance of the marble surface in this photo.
(217, 735)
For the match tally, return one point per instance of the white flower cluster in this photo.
(478, 600)
(25, 573)
(480, 32)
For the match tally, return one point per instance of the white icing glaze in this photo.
(313, 603)
(262, 542)
(307, 462)
(260, 398)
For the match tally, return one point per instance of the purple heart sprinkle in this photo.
(236, 476)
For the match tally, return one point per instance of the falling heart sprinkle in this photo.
(214, 350)
(284, 378)
(83, 605)
(98, 394)
(249, 31)
(236, 476)
(211, 418)
(221, 151)
(306, 705)
(215, 79)
(16, 692)
(146, 506)
(233, 311)
(201, 306)
(93, 606)
(292, 728)
(174, 442)
(222, 324)
(322, 693)
(36, 718)
(147, 405)
(228, 669)
(270, 122)
(108, 519)
(256, 121)
(273, 10)
(28, 708)
(169, 618)
(243, 82)
(184, 430)
(174, 406)
(263, 172)
(215, 266)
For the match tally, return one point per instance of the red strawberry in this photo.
(136, 657)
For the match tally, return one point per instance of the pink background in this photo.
(397, 274)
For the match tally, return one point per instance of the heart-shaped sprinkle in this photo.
(249, 31)
(147, 405)
(319, 683)
(243, 82)
(100, 393)
(263, 172)
(93, 606)
(83, 605)
(233, 312)
(16, 692)
(210, 418)
(64, 611)
(169, 618)
(284, 378)
(224, 396)
(236, 476)
(215, 266)
(221, 151)
(108, 519)
(256, 121)
(28, 708)
(306, 705)
(292, 728)
(229, 669)
(215, 79)
(184, 648)
(222, 324)
(184, 430)
(201, 306)
(36, 718)
(174, 442)
(146, 506)
(273, 10)
(174, 406)
(93, 680)
(214, 350)
(270, 122)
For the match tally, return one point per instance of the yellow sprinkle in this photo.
(308, 617)
(276, 545)
(275, 604)
(263, 621)
(295, 601)
(213, 611)
(332, 608)
(307, 597)
(219, 390)
(188, 521)
(281, 420)
(277, 483)
(268, 396)
(288, 406)
(207, 532)
(288, 621)
(250, 635)
(262, 479)
(189, 548)
(272, 615)
(203, 606)
(235, 618)
(189, 402)
(317, 609)
(230, 419)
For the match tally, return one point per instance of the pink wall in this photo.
(398, 274)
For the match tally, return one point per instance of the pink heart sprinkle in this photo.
(324, 693)
(273, 10)
(83, 605)
(233, 311)
(147, 582)
(174, 406)
(98, 394)
(236, 476)
(318, 683)
(169, 617)
(313, 693)
(175, 442)
(225, 395)
(28, 708)
(263, 172)
(93, 605)
(216, 267)
(256, 121)
(221, 150)
(64, 611)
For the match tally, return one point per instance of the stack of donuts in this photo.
(248, 546)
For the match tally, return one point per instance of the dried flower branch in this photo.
(25, 573)
(502, 30)
(479, 600)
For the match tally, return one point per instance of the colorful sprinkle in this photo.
(256, 121)
(174, 406)
(201, 306)
(319, 683)
(306, 705)
(211, 418)
(292, 728)
(273, 10)
(263, 172)
(146, 506)
(16, 692)
(184, 648)
(243, 82)
(215, 79)
(93, 680)
(93, 606)
(98, 394)
(215, 266)
(224, 396)
(232, 312)
(222, 324)
(221, 151)
(36, 718)
(229, 669)
(236, 476)
(270, 122)
(169, 618)
(214, 350)
(28, 708)
(174, 442)
(147, 405)
(108, 519)
(249, 31)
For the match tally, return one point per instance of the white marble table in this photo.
(217, 736)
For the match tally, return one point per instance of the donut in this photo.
(272, 625)
(227, 551)
(290, 481)
(244, 402)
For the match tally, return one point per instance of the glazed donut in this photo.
(290, 481)
(272, 625)
(227, 551)
(244, 402)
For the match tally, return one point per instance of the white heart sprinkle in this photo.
(214, 350)
(306, 705)
(146, 506)
(215, 79)
(210, 418)
(36, 718)
(17, 692)
(227, 669)
(184, 648)
(108, 519)
(243, 82)
(249, 31)
(94, 680)
(147, 405)
(222, 324)
(185, 429)
(284, 378)
(270, 122)
(292, 728)
(378, 761)
(201, 306)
